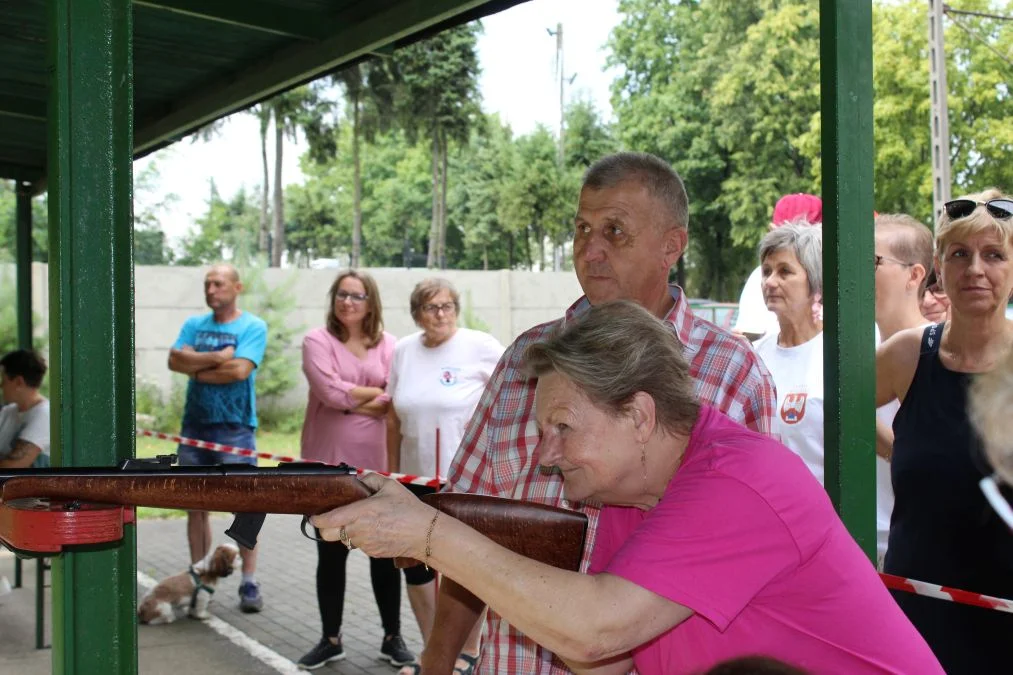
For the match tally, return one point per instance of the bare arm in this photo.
(188, 361)
(896, 362)
(234, 370)
(375, 407)
(884, 440)
(393, 441)
(583, 619)
(22, 455)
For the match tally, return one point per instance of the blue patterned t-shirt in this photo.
(236, 402)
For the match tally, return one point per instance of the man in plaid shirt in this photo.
(630, 228)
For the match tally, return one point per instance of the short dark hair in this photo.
(26, 364)
(661, 180)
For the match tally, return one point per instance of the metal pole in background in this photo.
(24, 264)
(849, 368)
(91, 313)
(940, 118)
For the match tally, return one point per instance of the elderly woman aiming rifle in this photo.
(714, 541)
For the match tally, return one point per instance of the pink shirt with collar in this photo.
(330, 434)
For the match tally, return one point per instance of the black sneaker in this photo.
(394, 650)
(325, 652)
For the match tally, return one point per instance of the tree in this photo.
(150, 244)
(226, 232)
(437, 98)
(368, 89)
(9, 219)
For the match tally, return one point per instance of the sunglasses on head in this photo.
(961, 208)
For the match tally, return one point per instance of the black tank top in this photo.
(943, 530)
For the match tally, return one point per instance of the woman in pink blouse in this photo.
(347, 362)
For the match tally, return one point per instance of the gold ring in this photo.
(343, 538)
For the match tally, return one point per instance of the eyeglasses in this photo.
(880, 259)
(961, 208)
(990, 486)
(446, 308)
(341, 296)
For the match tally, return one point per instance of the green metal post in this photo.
(91, 313)
(23, 258)
(848, 275)
(24, 265)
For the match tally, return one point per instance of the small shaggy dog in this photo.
(191, 589)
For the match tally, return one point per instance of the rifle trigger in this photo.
(302, 526)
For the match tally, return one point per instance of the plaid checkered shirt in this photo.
(497, 456)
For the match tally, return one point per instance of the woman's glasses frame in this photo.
(447, 308)
(1000, 209)
(357, 298)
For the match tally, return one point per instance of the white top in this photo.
(438, 388)
(753, 316)
(31, 426)
(798, 376)
(884, 488)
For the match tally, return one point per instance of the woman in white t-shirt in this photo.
(791, 259)
(436, 379)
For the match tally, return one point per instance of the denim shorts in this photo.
(238, 435)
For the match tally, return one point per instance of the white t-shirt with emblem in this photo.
(798, 376)
(438, 388)
(31, 426)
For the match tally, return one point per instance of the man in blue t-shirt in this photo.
(220, 351)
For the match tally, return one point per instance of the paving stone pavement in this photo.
(286, 571)
(289, 624)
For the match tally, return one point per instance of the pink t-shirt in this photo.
(329, 434)
(746, 538)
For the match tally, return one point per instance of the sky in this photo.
(519, 81)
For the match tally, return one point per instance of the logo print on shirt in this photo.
(448, 376)
(793, 408)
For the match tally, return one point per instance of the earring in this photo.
(643, 459)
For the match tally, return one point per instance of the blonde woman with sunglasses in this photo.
(943, 530)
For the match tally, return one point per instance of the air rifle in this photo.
(68, 497)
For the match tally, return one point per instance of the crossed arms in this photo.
(217, 367)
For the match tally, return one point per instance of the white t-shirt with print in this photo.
(438, 388)
(31, 426)
(798, 376)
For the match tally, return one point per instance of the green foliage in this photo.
(8, 223)
(150, 244)
(9, 316)
(468, 317)
(157, 411)
(228, 231)
(277, 374)
(728, 91)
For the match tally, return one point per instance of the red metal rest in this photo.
(39, 526)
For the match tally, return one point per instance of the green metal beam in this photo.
(249, 14)
(16, 106)
(21, 172)
(91, 314)
(292, 66)
(23, 257)
(848, 279)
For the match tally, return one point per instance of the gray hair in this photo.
(661, 180)
(426, 290)
(612, 352)
(805, 241)
(911, 243)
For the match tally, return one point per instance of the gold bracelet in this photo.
(429, 540)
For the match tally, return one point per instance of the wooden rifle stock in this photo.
(544, 533)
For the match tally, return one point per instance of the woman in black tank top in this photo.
(943, 530)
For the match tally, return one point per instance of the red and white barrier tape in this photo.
(407, 479)
(946, 593)
(892, 581)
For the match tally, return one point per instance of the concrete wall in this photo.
(507, 302)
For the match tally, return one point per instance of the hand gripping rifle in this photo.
(44, 510)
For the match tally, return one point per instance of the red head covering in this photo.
(798, 206)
